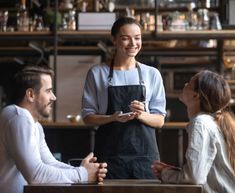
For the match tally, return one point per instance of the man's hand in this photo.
(96, 171)
(102, 172)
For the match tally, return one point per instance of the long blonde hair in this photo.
(215, 95)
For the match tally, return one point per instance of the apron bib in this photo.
(129, 147)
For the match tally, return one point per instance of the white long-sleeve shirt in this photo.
(25, 157)
(206, 158)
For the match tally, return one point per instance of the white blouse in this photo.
(206, 158)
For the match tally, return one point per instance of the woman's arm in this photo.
(151, 119)
(200, 154)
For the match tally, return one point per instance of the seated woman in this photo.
(210, 155)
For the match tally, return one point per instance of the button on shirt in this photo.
(206, 158)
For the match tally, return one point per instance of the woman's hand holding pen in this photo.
(151, 119)
(137, 107)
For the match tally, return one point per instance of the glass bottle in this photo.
(203, 19)
(192, 16)
(215, 22)
(22, 17)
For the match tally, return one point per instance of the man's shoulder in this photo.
(13, 111)
(7, 114)
(9, 110)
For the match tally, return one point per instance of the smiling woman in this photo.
(126, 141)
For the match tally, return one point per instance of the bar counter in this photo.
(73, 132)
(80, 125)
(115, 186)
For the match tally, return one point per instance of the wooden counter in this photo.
(115, 186)
(64, 136)
(65, 125)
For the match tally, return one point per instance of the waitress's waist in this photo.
(130, 157)
(131, 150)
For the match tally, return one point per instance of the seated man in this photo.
(24, 155)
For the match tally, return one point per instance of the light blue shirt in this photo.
(206, 158)
(95, 95)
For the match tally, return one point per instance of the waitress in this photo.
(127, 142)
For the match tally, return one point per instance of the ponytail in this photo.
(226, 122)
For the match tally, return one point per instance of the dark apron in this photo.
(129, 148)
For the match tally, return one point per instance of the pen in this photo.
(144, 102)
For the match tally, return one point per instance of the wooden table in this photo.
(115, 186)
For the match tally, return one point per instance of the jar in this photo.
(203, 19)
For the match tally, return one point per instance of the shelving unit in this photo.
(13, 38)
(157, 53)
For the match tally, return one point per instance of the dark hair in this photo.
(215, 95)
(28, 77)
(121, 22)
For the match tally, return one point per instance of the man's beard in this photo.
(41, 111)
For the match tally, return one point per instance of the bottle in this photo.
(71, 20)
(192, 16)
(203, 19)
(22, 17)
(215, 22)
(3, 20)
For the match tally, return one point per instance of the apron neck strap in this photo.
(141, 80)
(111, 69)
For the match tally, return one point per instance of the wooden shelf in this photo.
(164, 35)
(101, 34)
(207, 34)
(12, 36)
